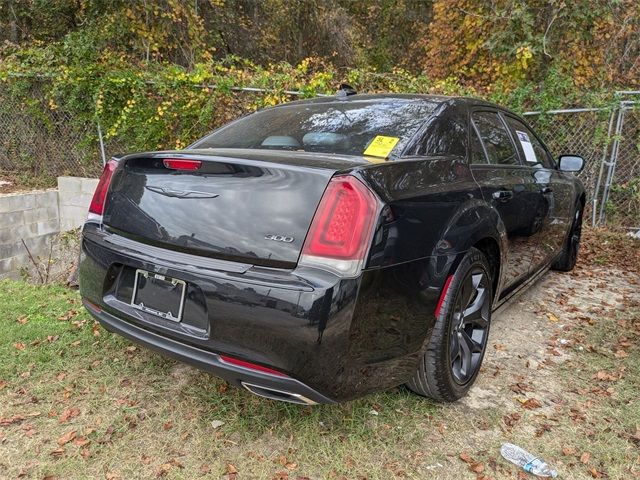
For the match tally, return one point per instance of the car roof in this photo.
(391, 97)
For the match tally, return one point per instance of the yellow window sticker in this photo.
(381, 146)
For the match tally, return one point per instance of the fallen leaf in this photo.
(621, 354)
(163, 469)
(531, 404)
(68, 414)
(57, 452)
(595, 473)
(67, 437)
(521, 388)
(466, 458)
(605, 376)
(6, 421)
(477, 467)
(2, 384)
(545, 427)
(552, 318)
(81, 442)
(585, 457)
(19, 346)
(567, 450)
(511, 419)
(167, 425)
(231, 469)
(68, 316)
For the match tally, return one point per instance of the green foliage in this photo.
(159, 74)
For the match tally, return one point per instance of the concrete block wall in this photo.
(74, 197)
(33, 217)
(38, 217)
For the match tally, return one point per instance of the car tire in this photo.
(456, 347)
(569, 256)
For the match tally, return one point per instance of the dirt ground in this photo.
(561, 378)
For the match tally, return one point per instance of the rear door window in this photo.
(476, 151)
(531, 149)
(495, 138)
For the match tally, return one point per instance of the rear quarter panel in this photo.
(433, 213)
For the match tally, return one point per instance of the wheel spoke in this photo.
(466, 356)
(467, 292)
(470, 344)
(455, 348)
(476, 305)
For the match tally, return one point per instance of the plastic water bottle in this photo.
(528, 462)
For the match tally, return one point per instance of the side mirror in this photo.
(571, 163)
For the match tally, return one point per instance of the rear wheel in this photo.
(456, 348)
(569, 256)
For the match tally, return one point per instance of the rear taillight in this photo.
(96, 208)
(182, 164)
(341, 230)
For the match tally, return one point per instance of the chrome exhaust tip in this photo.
(280, 395)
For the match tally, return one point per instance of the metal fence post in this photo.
(611, 164)
(102, 153)
(602, 163)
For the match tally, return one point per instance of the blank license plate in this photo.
(158, 294)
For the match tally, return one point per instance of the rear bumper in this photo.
(335, 339)
(263, 384)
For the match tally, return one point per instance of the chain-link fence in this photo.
(581, 132)
(621, 181)
(40, 140)
(609, 141)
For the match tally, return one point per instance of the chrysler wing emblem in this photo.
(170, 192)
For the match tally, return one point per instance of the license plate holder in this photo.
(159, 295)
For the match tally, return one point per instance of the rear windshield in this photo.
(346, 127)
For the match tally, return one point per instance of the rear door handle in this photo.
(503, 195)
(545, 190)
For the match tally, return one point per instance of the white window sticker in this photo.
(529, 154)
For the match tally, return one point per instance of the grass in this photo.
(140, 411)
(135, 414)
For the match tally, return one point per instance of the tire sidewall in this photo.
(473, 259)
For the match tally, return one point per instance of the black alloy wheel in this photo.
(454, 353)
(470, 325)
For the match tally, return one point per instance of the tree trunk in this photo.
(13, 24)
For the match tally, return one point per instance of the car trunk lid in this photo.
(239, 205)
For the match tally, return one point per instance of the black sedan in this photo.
(322, 249)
